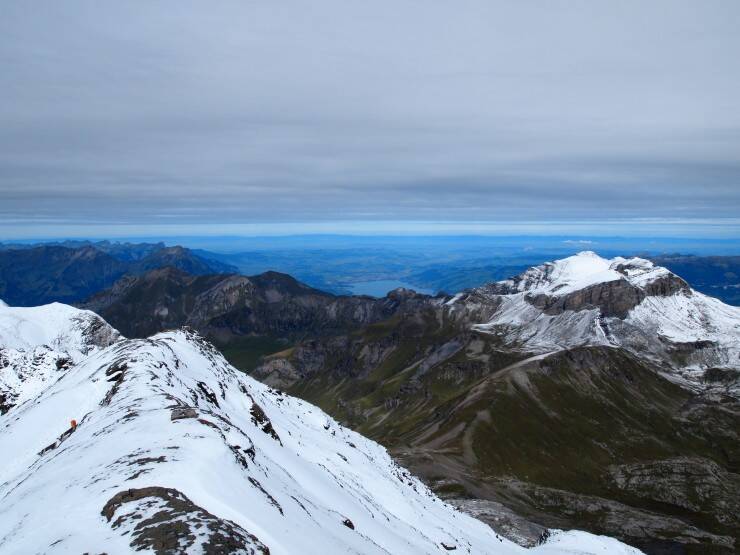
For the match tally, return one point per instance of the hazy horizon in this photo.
(472, 245)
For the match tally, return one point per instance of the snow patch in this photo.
(38, 344)
(57, 326)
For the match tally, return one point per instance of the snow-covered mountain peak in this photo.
(175, 451)
(57, 326)
(584, 270)
(37, 344)
(627, 302)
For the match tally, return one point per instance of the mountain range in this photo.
(71, 272)
(158, 445)
(594, 377)
(582, 393)
(584, 389)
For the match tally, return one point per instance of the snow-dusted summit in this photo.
(628, 302)
(38, 343)
(175, 451)
(586, 269)
(57, 326)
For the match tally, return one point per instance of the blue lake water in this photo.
(381, 287)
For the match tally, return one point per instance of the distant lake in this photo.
(381, 287)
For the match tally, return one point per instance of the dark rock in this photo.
(165, 521)
(183, 412)
(721, 375)
(612, 298)
(210, 395)
(260, 419)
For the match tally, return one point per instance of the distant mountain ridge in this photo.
(120, 250)
(576, 301)
(229, 306)
(32, 275)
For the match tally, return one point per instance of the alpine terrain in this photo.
(602, 392)
(158, 445)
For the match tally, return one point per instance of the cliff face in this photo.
(614, 298)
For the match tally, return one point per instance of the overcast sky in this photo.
(330, 113)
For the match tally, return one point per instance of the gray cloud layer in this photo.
(177, 112)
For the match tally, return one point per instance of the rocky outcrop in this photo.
(166, 522)
(693, 484)
(654, 532)
(667, 285)
(612, 298)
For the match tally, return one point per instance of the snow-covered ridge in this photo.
(56, 326)
(583, 270)
(38, 343)
(175, 448)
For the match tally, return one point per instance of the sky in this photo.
(263, 117)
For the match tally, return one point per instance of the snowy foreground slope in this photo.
(175, 451)
(631, 303)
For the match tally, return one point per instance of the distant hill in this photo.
(38, 274)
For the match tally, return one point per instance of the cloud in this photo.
(256, 112)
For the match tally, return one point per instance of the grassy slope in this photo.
(246, 353)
